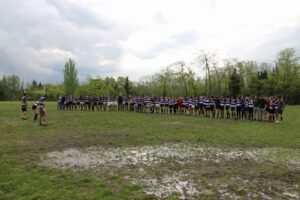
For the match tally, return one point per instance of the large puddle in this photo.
(145, 161)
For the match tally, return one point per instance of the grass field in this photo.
(123, 155)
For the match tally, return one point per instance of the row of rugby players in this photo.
(259, 108)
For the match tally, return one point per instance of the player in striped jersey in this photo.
(42, 110)
(36, 112)
(251, 108)
(166, 107)
(222, 104)
(246, 108)
(281, 108)
(192, 105)
(24, 106)
(243, 108)
(233, 108)
(207, 106)
(271, 110)
(218, 107)
(201, 105)
(184, 105)
(276, 105)
(175, 105)
(130, 103)
(238, 107)
(157, 105)
(227, 106)
(212, 106)
(162, 104)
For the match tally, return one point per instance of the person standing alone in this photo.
(24, 106)
(42, 109)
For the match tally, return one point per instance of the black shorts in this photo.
(232, 108)
(34, 107)
(227, 107)
(271, 111)
(24, 109)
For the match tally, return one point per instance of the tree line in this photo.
(281, 78)
(231, 77)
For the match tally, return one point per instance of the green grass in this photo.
(22, 143)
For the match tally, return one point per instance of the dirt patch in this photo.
(171, 169)
(176, 184)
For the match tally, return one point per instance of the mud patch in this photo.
(161, 169)
(177, 184)
(97, 157)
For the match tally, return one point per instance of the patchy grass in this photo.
(264, 158)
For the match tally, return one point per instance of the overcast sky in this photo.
(137, 37)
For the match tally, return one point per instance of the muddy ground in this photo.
(190, 171)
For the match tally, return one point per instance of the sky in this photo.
(137, 38)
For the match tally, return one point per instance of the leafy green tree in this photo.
(127, 86)
(288, 74)
(235, 83)
(34, 84)
(10, 88)
(2, 90)
(70, 77)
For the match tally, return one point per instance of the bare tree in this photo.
(214, 62)
(182, 73)
(203, 59)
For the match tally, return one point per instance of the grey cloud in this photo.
(173, 42)
(267, 48)
(286, 37)
(112, 50)
(91, 61)
(159, 18)
(28, 28)
(188, 37)
(78, 14)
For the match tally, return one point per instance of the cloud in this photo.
(170, 43)
(159, 18)
(36, 41)
(78, 14)
(138, 37)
